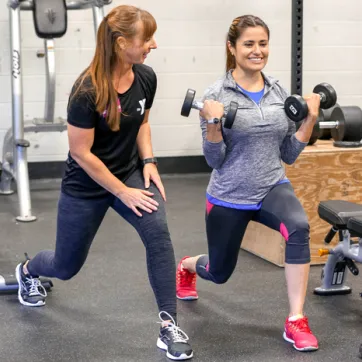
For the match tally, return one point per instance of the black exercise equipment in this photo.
(50, 18)
(296, 107)
(9, 284)
(345, 125)
(322, 133)
(189, 103)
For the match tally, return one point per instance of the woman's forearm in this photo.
(98, 171)
(144, 143)
(305, 130)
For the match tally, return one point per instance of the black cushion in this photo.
(50, 18)
(355, 225)
(338, 212)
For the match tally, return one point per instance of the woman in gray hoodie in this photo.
(248, 180)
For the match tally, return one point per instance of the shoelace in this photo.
(35, 287)
(301, 325)
(178, 335)
(186, 278)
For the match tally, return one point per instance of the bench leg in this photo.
(334, 274)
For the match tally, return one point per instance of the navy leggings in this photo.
(225, 228)
(77, 224)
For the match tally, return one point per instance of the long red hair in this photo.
(121, 21)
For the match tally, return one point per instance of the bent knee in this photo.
(65, 274)
(219, 278)
(297, 229)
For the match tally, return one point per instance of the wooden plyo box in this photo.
(321, 172)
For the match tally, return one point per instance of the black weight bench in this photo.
(346, 219)
(355, 226)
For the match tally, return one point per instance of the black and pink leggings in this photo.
(225, 228)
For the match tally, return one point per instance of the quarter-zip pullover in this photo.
(248, 162)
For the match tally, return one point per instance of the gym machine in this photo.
(345, 219)
(50, 22)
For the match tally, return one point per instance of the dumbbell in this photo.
(189, 103)
(296, 107)
(325, 116)
(345, 125)
(322, 133)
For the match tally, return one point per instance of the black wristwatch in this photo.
(149, 160)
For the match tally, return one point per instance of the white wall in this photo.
(191, 35)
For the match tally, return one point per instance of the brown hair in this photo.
(121, 21)
(237, 27)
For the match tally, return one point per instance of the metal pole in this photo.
(50, 80)
(19, 146)
(297, 47)
(98, 15)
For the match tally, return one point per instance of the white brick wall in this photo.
(192, 57)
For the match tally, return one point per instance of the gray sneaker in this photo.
(31, 292)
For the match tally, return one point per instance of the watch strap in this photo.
(213, 121)
(149, 160)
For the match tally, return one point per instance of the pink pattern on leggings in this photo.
(207, 267)
(209, 206)
(284, 231)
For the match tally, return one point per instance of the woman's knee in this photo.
(220, 278)
(298, 244)
(66, 274)
(215, 276)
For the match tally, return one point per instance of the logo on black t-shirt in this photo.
(142, 104)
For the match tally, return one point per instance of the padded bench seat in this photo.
(338, 213)
(355, 225)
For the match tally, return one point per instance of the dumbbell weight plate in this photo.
(350, 124)
(331, 95)
(231, 114)
(187, 105)
(316, 133)
(296, 108)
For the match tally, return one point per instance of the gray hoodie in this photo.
(247, 163)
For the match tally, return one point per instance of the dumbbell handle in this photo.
(323, 96)
(199, 106)
(328, 124)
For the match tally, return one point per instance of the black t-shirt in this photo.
(117, 150)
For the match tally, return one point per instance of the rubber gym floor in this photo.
(107, 312)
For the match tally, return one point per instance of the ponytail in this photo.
(100, 71)
(120, 22)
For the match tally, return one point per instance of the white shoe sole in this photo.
(21, 300)
(163, 346)
(187, 298)
(305, 349)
